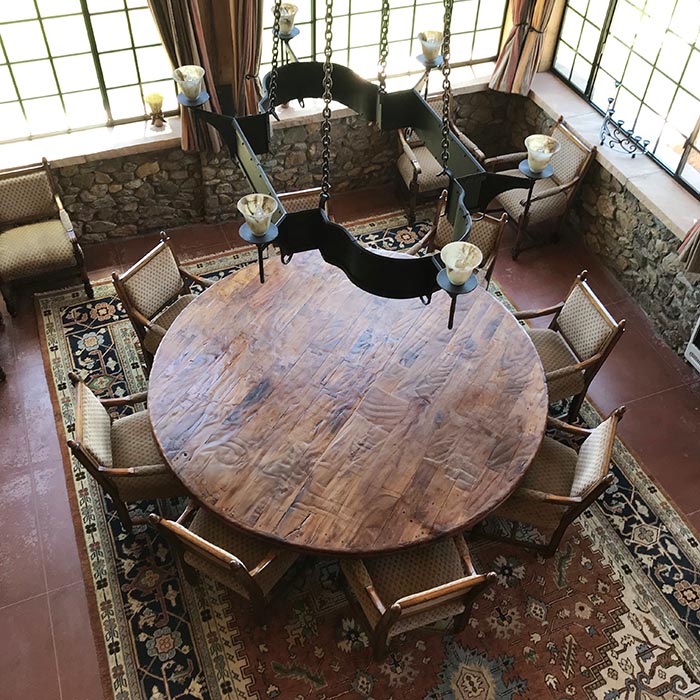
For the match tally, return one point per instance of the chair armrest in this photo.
(451, 589)
(264, 562)
(130, 400)
(146, 470)
(543, 194)
(572, 369)
(553, 498)
(567, 427)
(468, 143)
(501, 161)
(409, 153)
(196, 278)
(536, 313)
(141, 318)
(464, 554)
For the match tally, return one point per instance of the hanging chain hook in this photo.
(327, 97)
(446, 88)
(383, 46)
(275, 59)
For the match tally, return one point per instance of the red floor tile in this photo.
(27, 657)
(75, 649)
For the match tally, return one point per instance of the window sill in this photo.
(92, 144)
(675, 207)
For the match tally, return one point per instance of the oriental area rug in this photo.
(614, 615)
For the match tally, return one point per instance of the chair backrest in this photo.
(595, 454)
(228, 563)
(93, 427)
(27, 194)
(301, 199)
(573, 156)
(584, 322)
(486, 233)
(153, 282)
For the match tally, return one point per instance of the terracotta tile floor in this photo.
(46, 647)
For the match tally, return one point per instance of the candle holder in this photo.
(614, 135)
(540, 149)
(457, 277)
(288, 13)
(155, 104)
(257, 210)
(190, 80)
(431, 45)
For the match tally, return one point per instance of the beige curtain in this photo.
(689, 251)
(509, 57)
(246, 33)
(532, 48)
(180, 27)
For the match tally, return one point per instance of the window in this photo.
(477, 26)
(645, 54)
(73, 64)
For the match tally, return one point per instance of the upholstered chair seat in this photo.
(36, 233)
(121, 454)
(561, 483)
(246, 565)
(429, 178)
(415, 588)
(549, 207)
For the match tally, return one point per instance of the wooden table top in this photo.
(310, 412)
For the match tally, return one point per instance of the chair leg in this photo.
(80, 259)
(381, 646)
(123, 513)
(9, 297)
(575, 407)
(412, 204)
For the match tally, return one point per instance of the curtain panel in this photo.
(182, 33)
(246, 34)
(507, 63)
(532, 48)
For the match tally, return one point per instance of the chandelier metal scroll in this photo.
(470, 186)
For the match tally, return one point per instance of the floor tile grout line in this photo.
(23, 600)
(656, 393)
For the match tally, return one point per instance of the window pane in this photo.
(34, 79)
(637, 75)
(400, 24)
(589, 41)
(45, 116)
(660, 93)
(111, 31)
(691, 171)
(462, 48)
(13, 10)
(673, 57)
(490, 14)
(686, 20)
(67, 35)
(154, 63)
(486, 43)
(580, 73)
(136, 3)
(165, 88)
(85, 109)
(364, 61)
(684, 112)
(12, 120)
(364, 29)
(7, 89)
(119, 68)
(691, 77)
(76, 73)
(597, 9)
(626, 107)
(649, 125)
(428, 17)
(399, 58)
(564, 61)
(23, 41)
(571, 29)
(603, 88)
(670, 147)
(49, 8)
(625, 22)
(104, 5)
(463, 16)
(143, 28)
(126, 102)
(615, 58)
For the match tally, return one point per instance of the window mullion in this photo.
(96, 59)
(133, 51)
(604, 32)
(12, 78)
(48, 53)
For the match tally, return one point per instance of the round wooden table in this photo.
(312, 413)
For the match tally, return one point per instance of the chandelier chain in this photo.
(275, 56)
(383, 46)
(327, 97)
(446, 88)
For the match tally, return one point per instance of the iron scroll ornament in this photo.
(470, 186)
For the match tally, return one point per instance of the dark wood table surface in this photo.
(312, 413)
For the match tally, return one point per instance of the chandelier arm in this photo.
(327, 97)
(383, 46)
(275, 58)
(446, 88)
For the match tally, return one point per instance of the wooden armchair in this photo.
(419, 170)
(248, 566)
(36, 233)
(415, 588)
(574, 346)
(486, 235)
(560, 484)
(121, 455)
(153, 292)
(551, 197)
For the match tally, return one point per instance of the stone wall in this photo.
(136, 194)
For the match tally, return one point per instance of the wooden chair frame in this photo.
(140, 323)
(183, 539)
(428, 241)
(575, 504)
(570, 188)
(465, 589)
(6, 286)
(100, 472)
(590, 366)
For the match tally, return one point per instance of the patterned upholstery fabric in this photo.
(568, 161)
(429, 178)
(551, 471)
(155, 284)
(539, 211)
(97, 428)
(403, 574)
(26, 196)
(555, 355)
(163, 321)
(592, 464)
(484, 234)
(133, 443)
(443, 235)
(251, 551)
(34, 249)
(582, 324)
(299, 201)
